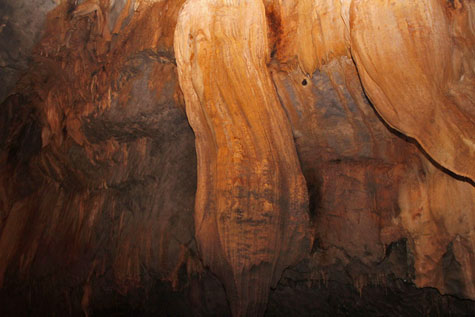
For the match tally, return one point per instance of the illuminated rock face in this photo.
(418, 70)
(251, 209)
(302, 196)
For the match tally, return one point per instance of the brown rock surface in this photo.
(98, 172)
(251, 219)
(417, 68)
(98, 162)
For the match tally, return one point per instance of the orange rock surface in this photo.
(417, 68)
(251, 218)
(334, 166)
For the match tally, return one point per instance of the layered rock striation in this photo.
(251, 209)
(334, 157)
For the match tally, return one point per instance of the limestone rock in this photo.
(417, 69)
(251, 219)
(218, 157)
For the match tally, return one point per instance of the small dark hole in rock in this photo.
(272, 54)
(304, 82)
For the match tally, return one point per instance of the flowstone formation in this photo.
(237, 157)
(251, 209)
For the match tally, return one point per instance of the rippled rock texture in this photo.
(218, 157)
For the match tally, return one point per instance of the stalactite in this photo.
(251, 205)
(411, 68)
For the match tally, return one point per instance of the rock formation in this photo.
(251, 218)
(334, 166)
(421, 81)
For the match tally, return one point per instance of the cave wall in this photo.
(360, 153)
(21, 27)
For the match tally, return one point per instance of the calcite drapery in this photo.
(438, 215)
(418, 69)
(251, 216)
(97, 179)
